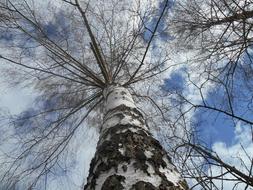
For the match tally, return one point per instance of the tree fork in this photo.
(127, 156)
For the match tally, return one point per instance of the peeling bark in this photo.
(127, 155)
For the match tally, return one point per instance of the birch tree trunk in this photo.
(127, 156)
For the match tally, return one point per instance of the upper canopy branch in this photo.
(95, 47)
(166, 4)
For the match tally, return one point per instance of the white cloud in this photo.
(15, 100)
(238, 154)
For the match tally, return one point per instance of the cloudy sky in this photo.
(225, 136)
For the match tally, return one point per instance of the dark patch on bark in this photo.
(124, 168)
(113, 182)
(137, 114)
(159, 160)
(142, 185)
(123, 93)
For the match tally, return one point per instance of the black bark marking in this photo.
(124, 168)
(123, 93)
(141, 185)
(113, 183)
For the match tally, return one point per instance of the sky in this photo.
(219, 132)
(231, 139)
(215, 129)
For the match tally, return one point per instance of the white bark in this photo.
(127, 156)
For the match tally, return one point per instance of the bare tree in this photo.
(219, 30)
(219, 35)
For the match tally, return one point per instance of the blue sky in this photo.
(211, 125)
(161, 31)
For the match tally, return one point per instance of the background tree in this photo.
(216, 36)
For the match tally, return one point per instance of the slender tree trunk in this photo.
(127, 155)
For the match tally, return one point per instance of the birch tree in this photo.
(84, 59)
